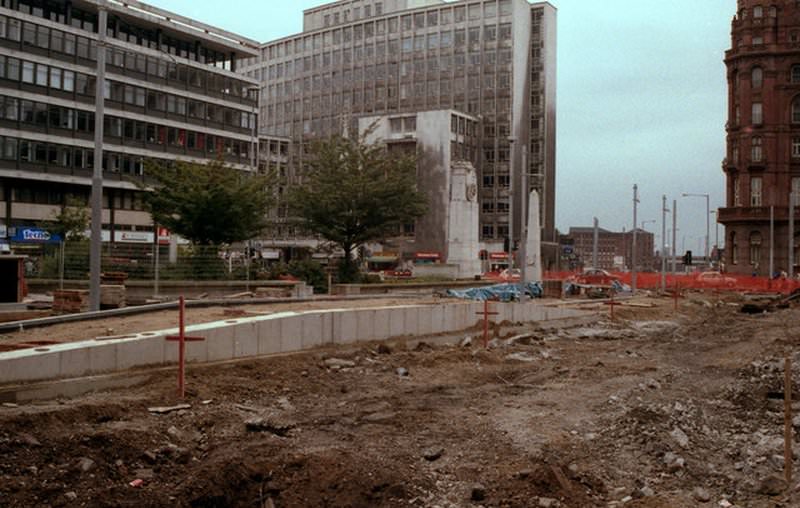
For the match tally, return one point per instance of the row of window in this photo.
(435, 68)
(53, 194)
(392, 50)
(757, 190)
(83, 47)
(757, 77)
(342, 13)
(66, 13)
(67, 157)
(58, 117)
(56, 78)
(405, 23)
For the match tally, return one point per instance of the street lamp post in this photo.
(664, 211)
(511, 158)
(708, 215)
(633, 244)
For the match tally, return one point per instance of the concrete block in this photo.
(411, 321)
(75, 362)
(397, 326)
(291, 333)
(365, 325)
(347, 327)
(312, 330)
(141, 352)
(380, 324)
(425, 320)
(269, 336)
(327, 324)
(220, 342)
(102, 358)
(30, 366)
(245, 339)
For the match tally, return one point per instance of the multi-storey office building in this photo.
(493, 60)
(172, 92)
(762, 164)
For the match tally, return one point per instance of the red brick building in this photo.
(613, 249)
(762, 165)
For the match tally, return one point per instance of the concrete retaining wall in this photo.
(257, 336)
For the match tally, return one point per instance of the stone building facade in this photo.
(762, 163)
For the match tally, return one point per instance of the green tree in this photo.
(71, 221)
(355, 192)
(208, 204)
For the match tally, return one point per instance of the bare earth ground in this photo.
(653, 410)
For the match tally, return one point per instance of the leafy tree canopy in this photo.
(354, 192)
(208, 204)
(71, 221)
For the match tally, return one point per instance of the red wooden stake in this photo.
(181, 338)
(612, 304)
(486, 315)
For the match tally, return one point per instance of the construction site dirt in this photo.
(654, 409)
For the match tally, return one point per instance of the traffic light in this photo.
(687, 258)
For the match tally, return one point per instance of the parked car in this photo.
(593, 277)
(715, 280)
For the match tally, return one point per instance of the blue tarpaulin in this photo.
(501, 292)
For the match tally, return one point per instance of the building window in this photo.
(756, 153)
(796, 110)
(757, 113)
(735, 155)
(758, 11)
(795, 78)
(756, 191)
(737, 196)
(755, 248)
(734, 259)
(757, 78)
(796, 189)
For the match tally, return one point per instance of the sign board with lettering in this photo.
(34, 235)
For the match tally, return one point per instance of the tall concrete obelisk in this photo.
(532, 267)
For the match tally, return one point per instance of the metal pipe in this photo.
(664, 243)
(595, 242)
(674, 237)
(633, 246)
(96, 239)
(792, 204)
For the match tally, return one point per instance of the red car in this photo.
(593, 277)
(715, 280)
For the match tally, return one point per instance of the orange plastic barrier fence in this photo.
(706, 280)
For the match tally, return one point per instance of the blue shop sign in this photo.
(34, 235)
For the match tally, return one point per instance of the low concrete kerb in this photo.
(251, 337)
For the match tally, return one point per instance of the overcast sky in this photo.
(641, 99)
